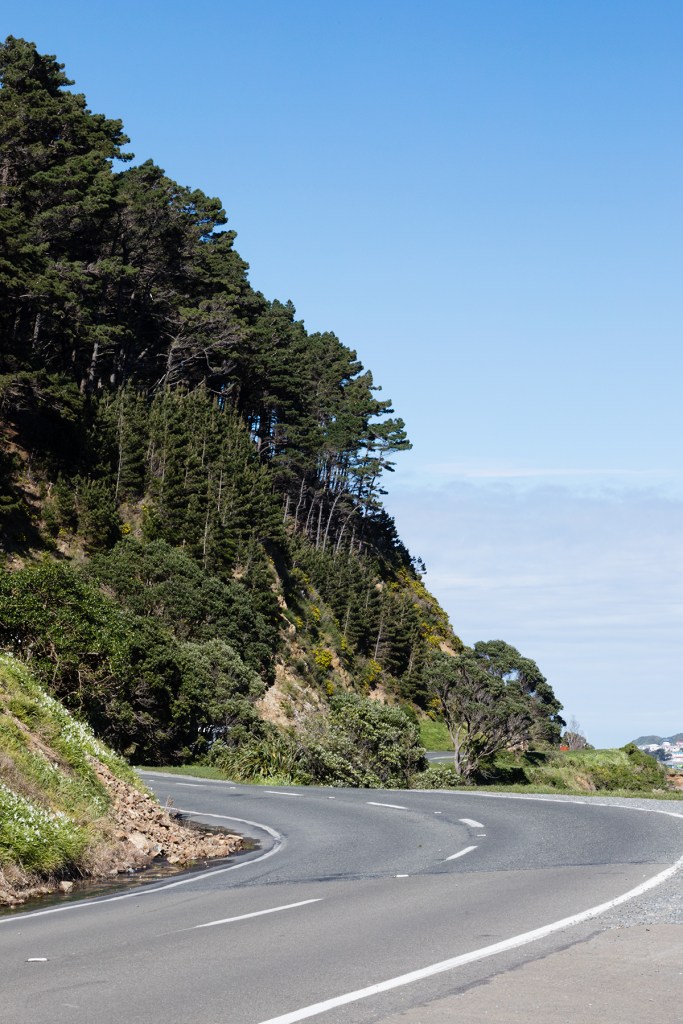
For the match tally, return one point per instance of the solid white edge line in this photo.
(396, 807)
(471, 822)
(175, 777)
(461, 853)
(476, 954)
(257, 913)
(559, 799)
(148, 891)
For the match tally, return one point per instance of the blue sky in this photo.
(484, 200)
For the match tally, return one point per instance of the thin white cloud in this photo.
(451, 471)
(586, 480)
(591, 587)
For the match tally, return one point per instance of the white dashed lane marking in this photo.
(257, 913)
(461, 853)
(397, 807)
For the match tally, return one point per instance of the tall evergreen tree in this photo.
(57, 193)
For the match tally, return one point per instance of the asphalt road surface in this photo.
(356, 905)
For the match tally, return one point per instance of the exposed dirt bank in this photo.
(135, 832)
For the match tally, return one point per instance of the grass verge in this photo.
(199, 771)
(434, 735)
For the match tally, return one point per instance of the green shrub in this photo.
(438, 776)
(634, 771)
(270, 758)
(627, 769)
(363, 743)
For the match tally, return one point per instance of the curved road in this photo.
(357, 904)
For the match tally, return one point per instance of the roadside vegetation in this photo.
(618, 772)
(626, 771)
(53, 805)
(70, 808)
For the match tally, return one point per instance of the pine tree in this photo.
(57, 194)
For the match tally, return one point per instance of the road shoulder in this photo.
(624, 974)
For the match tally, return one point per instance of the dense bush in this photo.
(438, 776)
(636, 771)
(148, 694)
(359, 743)
(269, 757)
(377, 743)
(163, 582)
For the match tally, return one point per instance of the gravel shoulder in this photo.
(664, 903)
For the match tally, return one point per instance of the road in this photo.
(358, 904)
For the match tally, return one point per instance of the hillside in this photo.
(643, 741)
(70, 809)
(196, 558)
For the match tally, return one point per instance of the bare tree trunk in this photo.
(410, 661)
(320, 521)
(344, 525)
(300, 501)
(220, 493)
(36, 331)
(329, 519)
(87, 382)
(119, 431)
(4, 182)
(206, 525)
(308, 517)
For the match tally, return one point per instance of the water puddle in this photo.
(158, 870)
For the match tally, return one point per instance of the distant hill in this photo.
(644, 740)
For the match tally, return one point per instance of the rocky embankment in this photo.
(144, 831)
(137, 832)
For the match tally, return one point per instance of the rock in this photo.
(66, 886)
(139, 841)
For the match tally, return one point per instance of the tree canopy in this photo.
(491, 699)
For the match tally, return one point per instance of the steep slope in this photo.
(69, 807)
